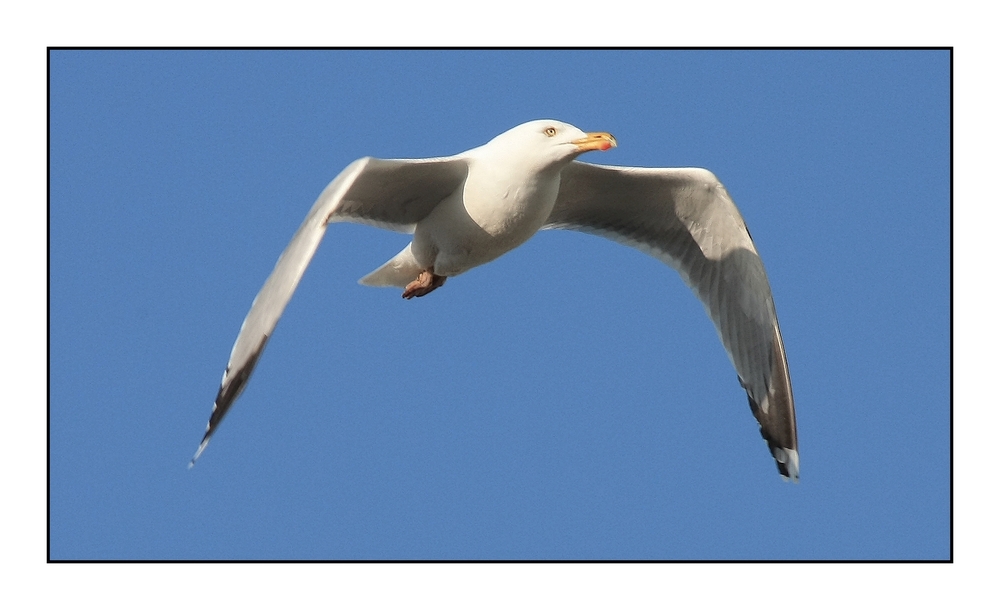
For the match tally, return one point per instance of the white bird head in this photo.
(546, 143)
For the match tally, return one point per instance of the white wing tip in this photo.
(790, 459)
(197, 453)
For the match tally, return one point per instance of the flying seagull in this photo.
(468, 209)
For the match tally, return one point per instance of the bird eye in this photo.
(550, 131)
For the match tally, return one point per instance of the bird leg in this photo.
(426, 282)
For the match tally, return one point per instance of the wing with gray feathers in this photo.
(685, 218)
(392, 194)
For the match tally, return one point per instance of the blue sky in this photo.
(570, 400)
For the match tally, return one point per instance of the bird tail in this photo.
(399, 271)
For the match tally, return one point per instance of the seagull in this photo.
(468, 209)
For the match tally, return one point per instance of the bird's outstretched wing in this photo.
(685, 218)
(392, 194)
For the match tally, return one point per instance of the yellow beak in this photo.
(598, 140)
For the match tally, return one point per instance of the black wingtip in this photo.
(786, 459)
(778, 434)
(201, 448)
(214, 419)
(229, 390)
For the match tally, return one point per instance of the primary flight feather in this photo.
(468, 209)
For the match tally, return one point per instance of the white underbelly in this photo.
(475, 226)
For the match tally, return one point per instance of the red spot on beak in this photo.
(596, 141)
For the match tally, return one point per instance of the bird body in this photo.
(468, 209)
(505, 198)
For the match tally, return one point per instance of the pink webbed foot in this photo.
(426, 282)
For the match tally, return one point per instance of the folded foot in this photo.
(426, 282)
